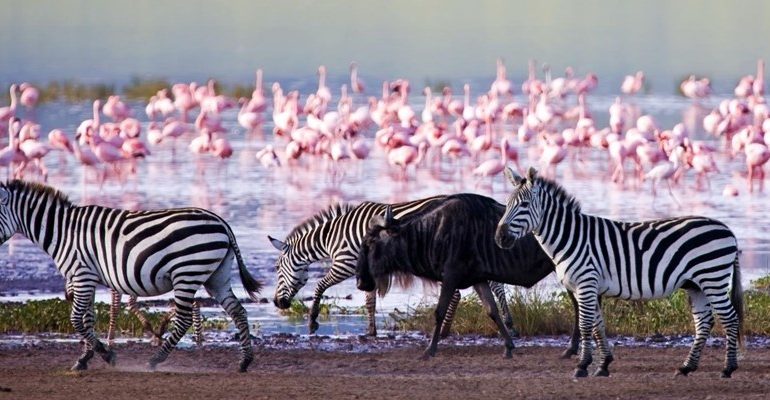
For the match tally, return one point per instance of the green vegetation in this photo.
(73, 91)
(38, 316)
(537, 314)
(143, 89)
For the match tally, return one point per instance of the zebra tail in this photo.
(251, 285)
(736, 297)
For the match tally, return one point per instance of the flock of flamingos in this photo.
(482, 134)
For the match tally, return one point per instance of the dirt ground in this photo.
(467, 372)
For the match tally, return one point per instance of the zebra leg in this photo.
(82, 319)
(728, 316)
(235, 310)
(156, 338)
(164, 323)
(601, 341)
(574, 341)
(183, 299)
(197, 323)
(330, 279)
(704, 322)
(587, 305)
(114, 311)
(488, 300)
(447, 291)
(499, 290)
(446, 326)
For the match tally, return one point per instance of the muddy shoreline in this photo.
(465, 367)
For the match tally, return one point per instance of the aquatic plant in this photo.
(53, 315)
(538, 314)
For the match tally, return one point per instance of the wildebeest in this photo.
(452, 241)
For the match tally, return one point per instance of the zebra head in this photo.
(523, 211)
(8, 222)
(292, 272)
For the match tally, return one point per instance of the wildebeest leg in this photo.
(447, 291)
(446, 326)
(485, 294)
(499, 290)
(574, 341)
(371, 307)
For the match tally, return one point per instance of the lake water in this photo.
(428, 42)
(258, 201)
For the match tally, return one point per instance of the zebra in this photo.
(140, 253)
(336, 233)
(596, 256)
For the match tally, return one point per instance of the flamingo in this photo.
(632, 84)
(758, 87)
(29, 95)
(494, 166)
(220, 147)
(268, 158)
(248, 119)
(427, 113)
(355, 82)
(404, 156)
(553, 154)
(501, 85)
(257, 103)
(57, 139)
(7, 113)
(93, 124)
(323, 91)
(666, 171)
(34, 150)
(757, 155)
(11, 154)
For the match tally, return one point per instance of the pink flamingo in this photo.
(356, 84)
(323, 91)
(220, 147)
(695, 88)
(249, 120)
(757, 154)
(83, 153)
(57, 139)
(758, 88)
(501, 85)
(257, 103)
(6, 113)
(201, 144)
(92, 123)
(427, 112)
(106, 152)
(29, 95)
(404, 156)
(494, 166)
(116, 109)
(632, 84)
(552, 155)
(11, 154)
(268, 158)
(666, 171)
(34, 151)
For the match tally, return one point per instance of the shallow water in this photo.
(258, 201)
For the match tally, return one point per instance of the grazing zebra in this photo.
(337, 233)
(142, 253)
(596, 256)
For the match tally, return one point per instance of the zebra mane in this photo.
(333, 211)
(20, 186)
(559, 192)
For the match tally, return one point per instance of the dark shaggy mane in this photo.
(559, 192)
(19, 186)
(404, 280)
(333, 211)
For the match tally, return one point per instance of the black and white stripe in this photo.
(140, 253)
(336, 234)
(596, 256)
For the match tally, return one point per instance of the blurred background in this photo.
(425, 41)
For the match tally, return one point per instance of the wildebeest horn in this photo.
(385, 220)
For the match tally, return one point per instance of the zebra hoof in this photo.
(244, 365)
(602, 372)
(568, 353)
(79, 366)
(580, 373)
(152, 366)
(427, 355)
(684, 370)
(110, 357)
(156, 341)
(312, 327)
(728, 372)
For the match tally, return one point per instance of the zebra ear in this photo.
(279, 245)
(531, 174)
(4, 195)
(513, 177)
(389, 216)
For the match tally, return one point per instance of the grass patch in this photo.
(53, 315)
(537, 314)
(73, 91)
(143, 89)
